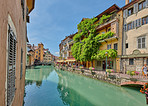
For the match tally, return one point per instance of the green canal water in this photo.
(46, 86)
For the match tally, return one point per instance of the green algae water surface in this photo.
(46, 86)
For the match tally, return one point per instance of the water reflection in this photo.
(46, 86)
(76, 90)
(37, 75)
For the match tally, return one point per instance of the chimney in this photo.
(126, 2)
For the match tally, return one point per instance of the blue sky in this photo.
(52, 20)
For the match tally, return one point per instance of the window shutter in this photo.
(137, 22)
(136, 7)
(133, 24)
(125, 13)
(11, 66)
(140, 22)
(134, 11)
(146, 3)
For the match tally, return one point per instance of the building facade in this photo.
(135, 35)
(13, 17)
(65, 49)
(47, 57)
(112, 24)
(39, 51)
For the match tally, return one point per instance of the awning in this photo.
(70, 60)
(60, 61)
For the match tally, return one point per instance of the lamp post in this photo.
(106, 54)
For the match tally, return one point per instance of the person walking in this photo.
(144, 69)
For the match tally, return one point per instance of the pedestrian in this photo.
(144, 70)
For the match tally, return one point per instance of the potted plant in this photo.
(144, 90)
(136, 73)
(92, 70)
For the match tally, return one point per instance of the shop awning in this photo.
(60, 61)
(70, 60)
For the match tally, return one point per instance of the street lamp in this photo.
(106, 54)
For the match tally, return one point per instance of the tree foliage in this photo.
(112, 53)
(103, 18)
(86, 46)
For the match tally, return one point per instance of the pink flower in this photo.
(93, 68)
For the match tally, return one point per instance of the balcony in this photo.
(108, 21)
(109, 38)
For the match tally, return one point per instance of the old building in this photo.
(47, 57)
(13, 17)
(110, 24)
(39, 51)
(65, 49)
(135, 35)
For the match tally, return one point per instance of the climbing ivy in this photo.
(103, 18)
(112, 53)
(104, 36)
(86, 46)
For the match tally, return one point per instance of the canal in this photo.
(46, 86)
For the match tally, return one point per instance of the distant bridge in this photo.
(43, 63)
(132, 83)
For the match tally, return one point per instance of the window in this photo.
(130, 11)
(109, 29)
(131, 61)
(145, 20)
(144, 4)
(136, 23)
(125, 28)
(21, 72)
(141, 42)
(126, 45)
(147, 61)
(98, 63)
(140, 6)
(116, 46)
(22, 4)
(129, 26)
(11, 66)
(108, 46)
(37, 52)
(36, 56)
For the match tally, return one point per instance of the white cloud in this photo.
(57, 53)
